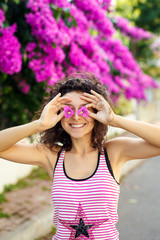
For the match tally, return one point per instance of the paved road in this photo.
(139, 204)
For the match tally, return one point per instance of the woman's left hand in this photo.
(104, 113)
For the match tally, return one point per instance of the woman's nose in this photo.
(76, 116)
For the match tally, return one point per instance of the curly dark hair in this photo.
(56, 135)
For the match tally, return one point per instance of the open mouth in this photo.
(77, 125)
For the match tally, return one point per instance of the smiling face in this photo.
(77, 126)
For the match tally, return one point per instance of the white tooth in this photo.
(81, 125)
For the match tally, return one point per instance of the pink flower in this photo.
(10, 55)
(26, 89)
(132, 32)
(2, 17)
(68, 112)
(31, 46)
(83, 111)
(23, 86)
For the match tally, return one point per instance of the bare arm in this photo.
(146, 145)
(12, 150)
(10, 136)
(124, 149)
(148, 132)
(128, 148)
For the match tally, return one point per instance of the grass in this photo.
(26, 182)
(4, 215)
(3, 198)
(22, 183)
(39, 173)
(53, 230)
(44, 188)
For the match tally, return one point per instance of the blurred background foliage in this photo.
(144, 14)
(17, 108)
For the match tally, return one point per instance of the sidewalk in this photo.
(139, 204)
(34, 210)
(31, 211)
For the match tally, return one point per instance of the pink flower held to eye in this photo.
(68, 112)
(83, 111)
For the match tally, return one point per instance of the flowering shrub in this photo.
(44, 40)
(2, 17)
(10, 57)
(132, 32)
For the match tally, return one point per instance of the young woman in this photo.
(84, 166)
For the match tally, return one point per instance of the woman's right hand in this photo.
(49, 116)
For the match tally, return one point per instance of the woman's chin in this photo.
(79, 135)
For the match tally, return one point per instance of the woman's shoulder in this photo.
(51, 154)
(118, 141)
(116, 145)
(115, 141)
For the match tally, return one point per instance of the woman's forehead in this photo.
(76, 98)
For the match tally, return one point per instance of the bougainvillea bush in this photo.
(42, 41)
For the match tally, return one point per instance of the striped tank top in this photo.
(85, 208)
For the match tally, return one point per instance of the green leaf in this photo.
(25, 58)
(66, 12)
(52, 6)
(53, 45)
(57, 13)
(74, 22)
(4, 6)
(17, 1)
(69, 24)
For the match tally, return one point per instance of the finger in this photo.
(91, 96)
(90, 105)
(64, 100)
(54, 101)
(60, 115)
(60, 107)
(58, 99)
(94, 98)
(92, 114)
(88, 99)
(55, 98)
(96, 94)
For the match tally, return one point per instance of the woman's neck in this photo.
(81, 146)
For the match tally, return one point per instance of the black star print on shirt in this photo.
(81, 228)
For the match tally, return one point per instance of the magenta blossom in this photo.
(68, 112)
(83, 111)
(2, 17)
